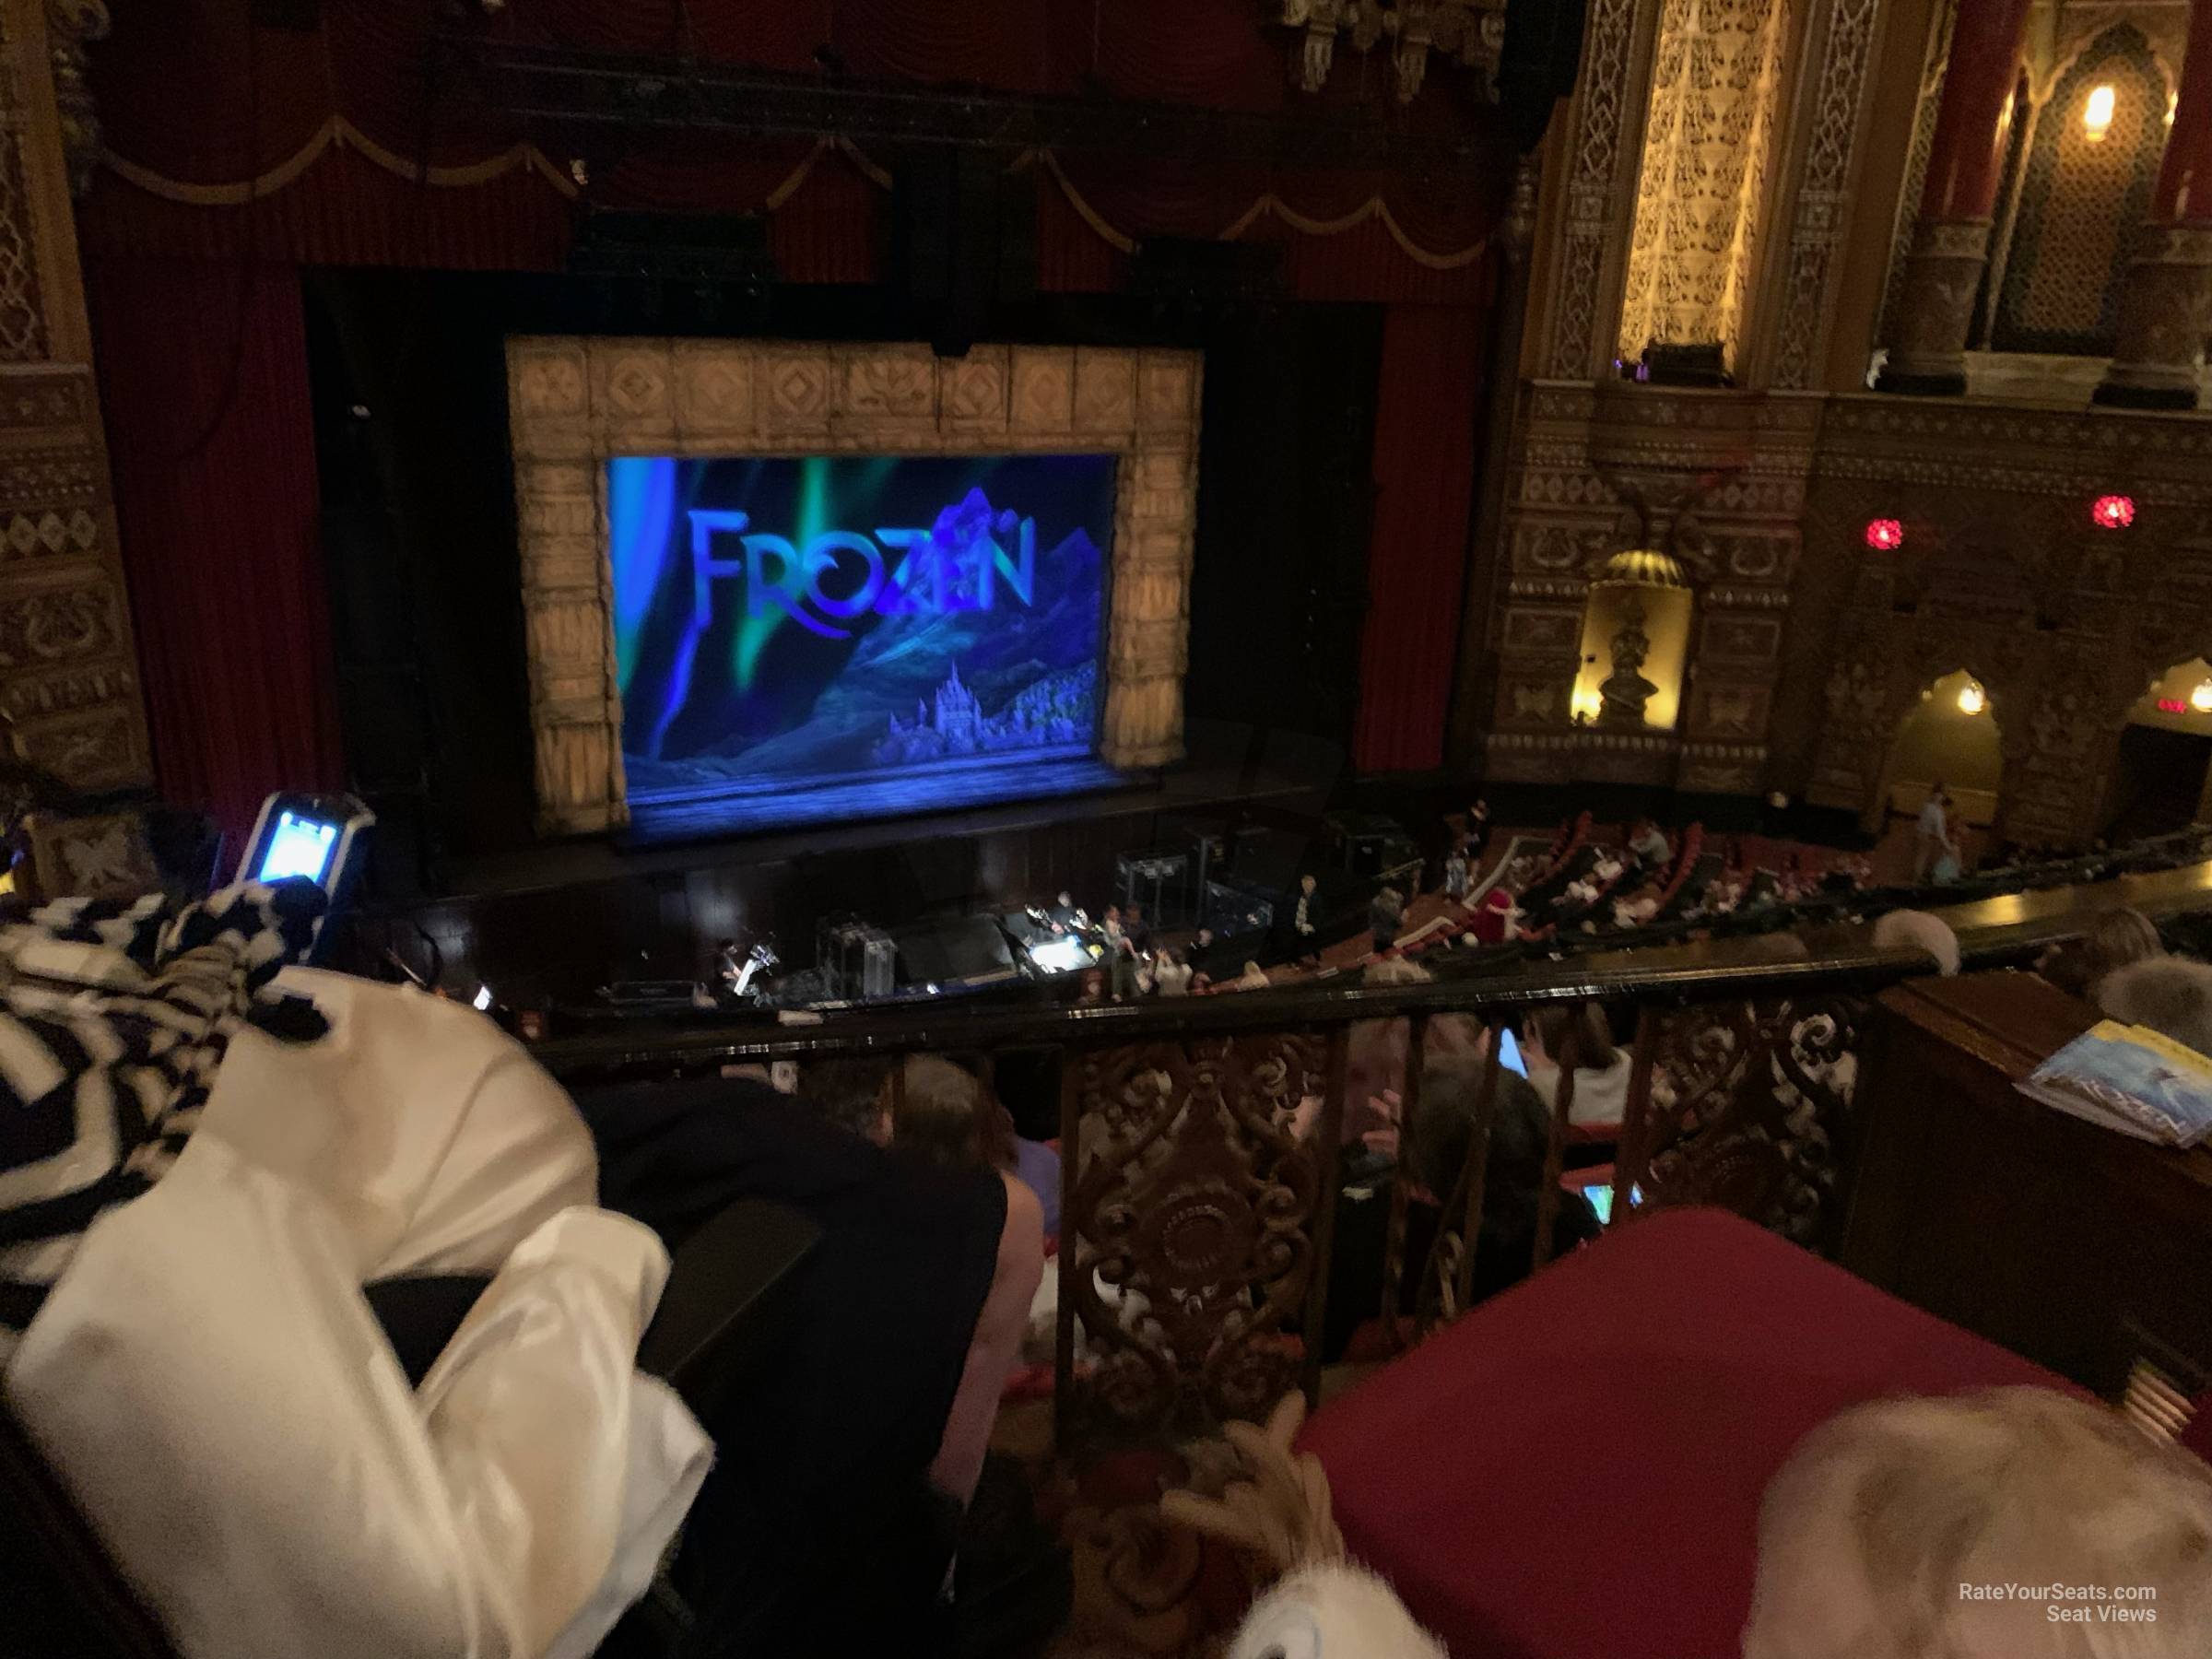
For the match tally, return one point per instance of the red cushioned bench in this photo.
(1573, 1470)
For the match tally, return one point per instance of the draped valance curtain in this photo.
(337, 145)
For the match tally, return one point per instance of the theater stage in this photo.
(556, 920)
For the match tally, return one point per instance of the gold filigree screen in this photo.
(1716, 78)
(573, 403)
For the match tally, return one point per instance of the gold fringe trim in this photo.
(339, 132)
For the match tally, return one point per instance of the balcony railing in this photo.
(1199, 1200)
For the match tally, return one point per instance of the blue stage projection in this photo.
(826, 637)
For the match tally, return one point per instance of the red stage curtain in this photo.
(1424, 473)
(216, 492)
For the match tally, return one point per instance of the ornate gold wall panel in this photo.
(574, 402)
(1718, 477)
(1605, 147)
(1825, 177)
(1701, 190)
(69, 694)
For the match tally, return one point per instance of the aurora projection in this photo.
(828, 620)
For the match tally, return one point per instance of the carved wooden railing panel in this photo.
(1198, 1201)
(1741, 1105)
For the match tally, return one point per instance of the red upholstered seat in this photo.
(1573, 1470)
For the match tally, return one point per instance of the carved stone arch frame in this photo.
(575, 402)
(1937, 646)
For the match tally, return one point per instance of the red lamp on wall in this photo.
(2112, 511)
(1885, 534)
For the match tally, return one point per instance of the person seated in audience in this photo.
(2170, 994)
(1905, 1529)
(1636, 910)
(1385, 916)
(1916, 930)
(943, 1116)
(1650, 844)
(2117, 937)
(1376, 1056)
(1601, 1070)
(1170, 974)
(237, 1361)
(1496, 917)
(1443, 1135)
(1201, 952)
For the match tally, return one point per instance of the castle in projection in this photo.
(1057, 708)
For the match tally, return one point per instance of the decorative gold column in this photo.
(2166, 303)
(69, 694)
(1950, 243)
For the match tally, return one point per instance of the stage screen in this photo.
(931, 624)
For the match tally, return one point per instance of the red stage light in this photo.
(2112, 511)
(1885, 534)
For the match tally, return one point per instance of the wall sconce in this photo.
(1972, 700)
(2200, 697)
(2112, 511)
(1884, 534)
(2173, 101)
(2096, 114)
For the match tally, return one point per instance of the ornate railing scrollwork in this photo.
(1199, 1197)
(1741, 1105)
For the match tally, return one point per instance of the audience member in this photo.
(1906, 1529)
(1650, 844)
(1494, 917)
(2170, 994)
(853, 1094)
(1120, 954)
(1601, 1070)
(1931, 833)
(943, 1116)
(1443, 1135)
(1916, 930)
(2113, 940)
(1383, 916)
(1455, 872)
(1171, 975)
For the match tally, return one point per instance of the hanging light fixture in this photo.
(2097, 113)
(2200, 696)
(1972, 700)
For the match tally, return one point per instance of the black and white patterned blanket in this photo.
(106, 1055)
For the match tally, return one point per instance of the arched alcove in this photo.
(2081, 196)
(1636, 627)
(1950, 737)
(2164, 755)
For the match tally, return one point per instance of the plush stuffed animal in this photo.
(1279, 1513)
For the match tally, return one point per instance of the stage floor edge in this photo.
(801, 805)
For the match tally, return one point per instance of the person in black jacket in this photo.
(1442, 1133)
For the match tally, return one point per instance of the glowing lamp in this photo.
(2097, 113)
(1971, 698)
(2200, 697)
(1885, 535)
(2112, 511)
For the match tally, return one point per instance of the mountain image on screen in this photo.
(799, 620)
